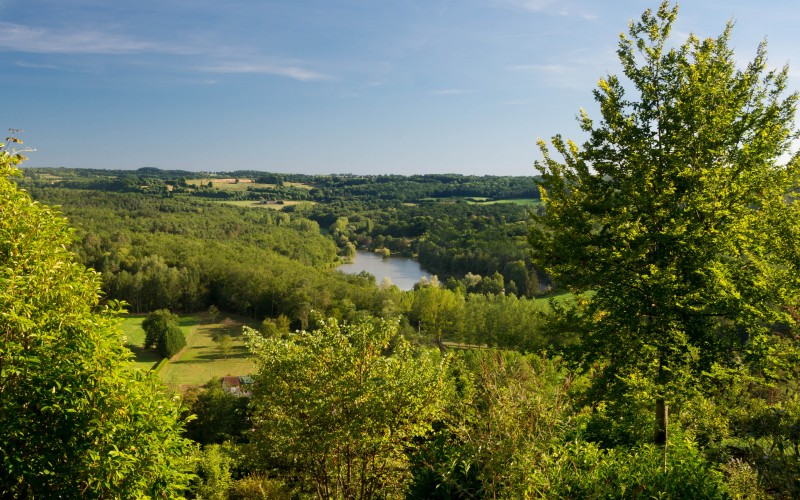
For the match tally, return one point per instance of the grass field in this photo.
(201, 360)
(477, 200)
(230, 184)
(517, 201)
(146, 359)
(272, 206)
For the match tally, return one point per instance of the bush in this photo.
(171, 341)
(155, 325)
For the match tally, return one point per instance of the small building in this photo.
(238, 386)
(231, 385)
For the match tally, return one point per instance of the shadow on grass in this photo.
(184, 321)
(205, 358)
(142, 355)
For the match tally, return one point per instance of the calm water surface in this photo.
(402, 271)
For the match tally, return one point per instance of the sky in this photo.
(329, 86)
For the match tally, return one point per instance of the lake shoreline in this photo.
(402, 271)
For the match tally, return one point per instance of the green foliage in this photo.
(584, 470)
(75, 420)
(224, 344)
(336, 408)
(259, 487)
(219, 416)
(675, 213)
(436, 310)
(213, 313)
(171, 341)
(155, 326)
(508, 415)
(213, 470)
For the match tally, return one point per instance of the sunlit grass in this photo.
(201, 359)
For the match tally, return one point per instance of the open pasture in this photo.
(201, 359)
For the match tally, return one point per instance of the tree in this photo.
(675, 214)
(342, 431)
(155, 325)
(171, 341)
(224, 344)
(437, 311)
(76, 419)
(219, 416)
(213, 313)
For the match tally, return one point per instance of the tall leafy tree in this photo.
(155, 325)
(75, 419)
(677, 213)
(337, 408)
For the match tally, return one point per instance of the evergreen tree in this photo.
(171, 341)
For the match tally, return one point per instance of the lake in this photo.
(403, 272)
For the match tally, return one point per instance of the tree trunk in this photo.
(662, 422)
(660, 436)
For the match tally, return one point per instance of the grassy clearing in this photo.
(202, 360)
(146, 359)
(477, 200)
(517, 201)
(271, 206)
(308, 187)
(230, 184)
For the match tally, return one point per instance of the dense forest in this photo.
(623, 325)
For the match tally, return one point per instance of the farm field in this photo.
(230, 184)
(478, 200)
(201, 359)
(146, 359)
(517, 201)
(272, 206)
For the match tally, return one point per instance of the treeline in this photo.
(450, 240)
(325, 188)
(418, 187)
(475, 423)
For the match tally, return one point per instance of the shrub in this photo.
(155, 325)
(171, 341)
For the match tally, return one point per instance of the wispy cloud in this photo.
(530, 5)
(516, 102)
(294, 72)
(560, 8)
(36, 40)
(538, 34)
(450, 91)
(21, 38)
(577, 73)
(545, 69)
(26, 64)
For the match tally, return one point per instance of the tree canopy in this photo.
(76, 420)
(677, 213)
(337, 407)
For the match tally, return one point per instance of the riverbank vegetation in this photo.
(629, 330)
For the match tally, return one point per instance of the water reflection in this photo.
(402, 271)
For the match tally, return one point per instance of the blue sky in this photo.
(327, 86)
